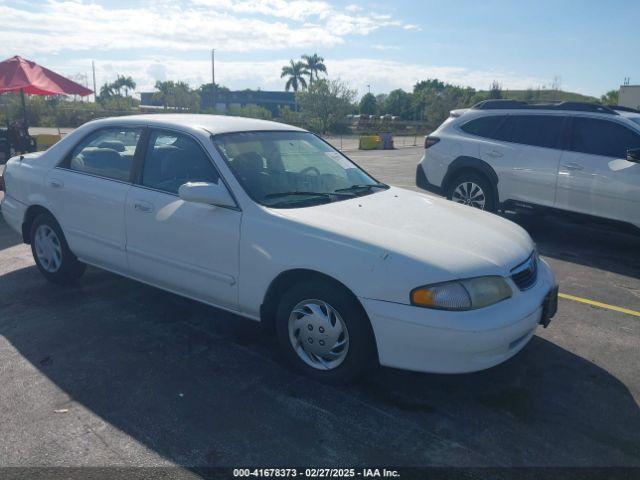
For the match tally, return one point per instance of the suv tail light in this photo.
(430, 141)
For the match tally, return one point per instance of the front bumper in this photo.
(420, 339)
(13, 212)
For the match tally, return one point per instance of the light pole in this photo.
(213, 78)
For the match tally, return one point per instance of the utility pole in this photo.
(369, 87)
(213, 78)
(95, 93)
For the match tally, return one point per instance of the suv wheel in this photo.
(474, 190)
(324, 332)
(50, 251)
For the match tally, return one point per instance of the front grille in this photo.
(525, 275)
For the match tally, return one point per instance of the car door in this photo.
(491, 132)
(88, 191)
(188, 248)
(530, 155)
(595, 177)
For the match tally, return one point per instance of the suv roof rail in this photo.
(520, 105)
(620, 108)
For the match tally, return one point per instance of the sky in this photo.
(589, 46)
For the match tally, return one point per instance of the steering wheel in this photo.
(309, 169)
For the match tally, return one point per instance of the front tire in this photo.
(51, 253)
(324, 332)
(474, 190)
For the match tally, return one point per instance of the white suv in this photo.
(571, 156)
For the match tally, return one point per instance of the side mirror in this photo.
(208, 193)
(633, 155)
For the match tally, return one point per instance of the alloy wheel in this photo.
(469, 193)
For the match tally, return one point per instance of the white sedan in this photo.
(270, 222)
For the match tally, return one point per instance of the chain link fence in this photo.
(343, 135)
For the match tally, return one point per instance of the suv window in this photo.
(602, 137)
(484, 126)
(107, 153)
(174, 159)
(536, 130)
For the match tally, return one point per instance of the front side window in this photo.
(107, 153)
(174, 159)
(537, 130)
(292, 169)
(602, 137)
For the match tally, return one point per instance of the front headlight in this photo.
(462, 294)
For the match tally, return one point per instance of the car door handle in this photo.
(143, 207)
(573, 166)
(495, 154)
(55, 183)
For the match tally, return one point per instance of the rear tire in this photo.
(51, 253)
(473, 189)
(324, 332)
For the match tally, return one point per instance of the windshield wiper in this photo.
(316, 194)
(367, 186)
(286, 194)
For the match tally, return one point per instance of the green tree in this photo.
(398, 103)
(177, 95)
(295, 73)
(432, 100)
(325, 104)
(368, 104)
(314, 64)
(495, 92)
(610, 98)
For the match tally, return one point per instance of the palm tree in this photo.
(296, 72)
(106, 91)
(124, 82)
(314, 64)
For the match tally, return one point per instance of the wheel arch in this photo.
(288, 278)
(471, 164)
(30, 215)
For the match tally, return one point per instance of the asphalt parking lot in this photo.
(115, 373)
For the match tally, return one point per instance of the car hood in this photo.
(452, 240)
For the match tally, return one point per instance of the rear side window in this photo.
(536, 130)
(602, 137)
(107, 153)
(484, 126)
(172, 160)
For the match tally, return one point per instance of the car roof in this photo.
(624, 114)
(213, 124)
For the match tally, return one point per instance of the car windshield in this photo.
(290, 169)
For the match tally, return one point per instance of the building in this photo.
(272, 101)
(629, 96)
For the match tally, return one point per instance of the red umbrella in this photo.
(25, 76)
(16, 73)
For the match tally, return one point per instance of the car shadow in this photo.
(603, 245)
(201, 387)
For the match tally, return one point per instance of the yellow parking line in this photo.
(599, 304)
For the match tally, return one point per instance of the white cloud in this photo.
(149, 41)
(231, 25)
